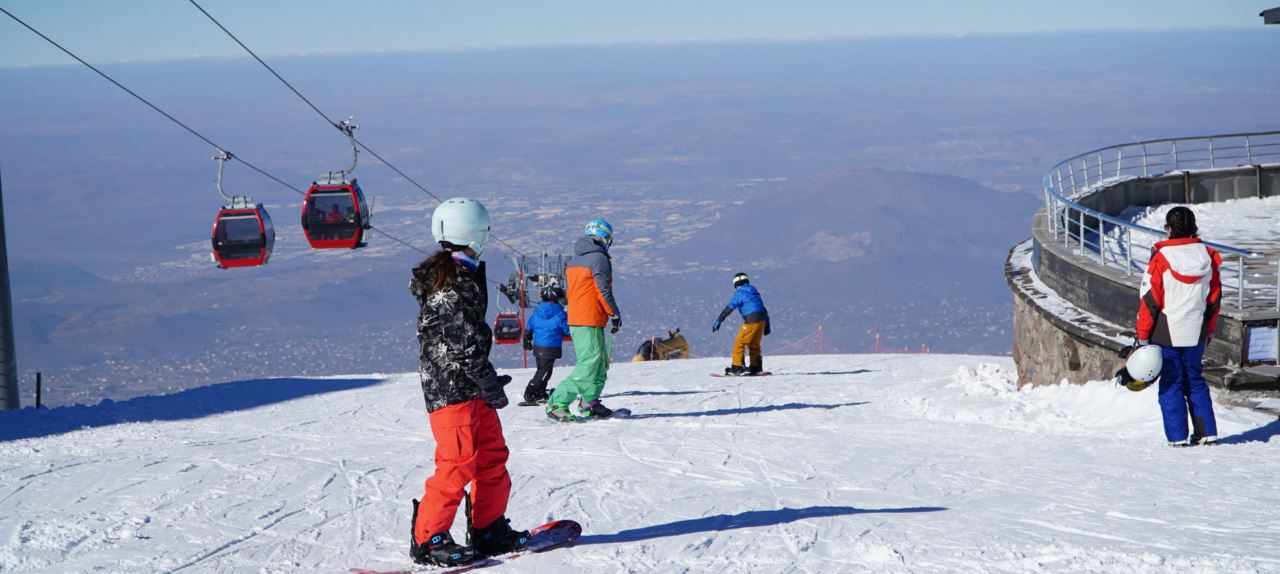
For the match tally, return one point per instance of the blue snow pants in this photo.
(1183, 391)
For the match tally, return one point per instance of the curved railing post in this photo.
(1102, 243)
(1239, 282)
(1128, 253)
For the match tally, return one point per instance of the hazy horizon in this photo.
(162, 31)
(109, 205)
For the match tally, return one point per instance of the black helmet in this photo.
(552, 293)
(740, 280)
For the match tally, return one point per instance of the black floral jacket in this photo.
(454, 338)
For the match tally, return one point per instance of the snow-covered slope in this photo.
(863, 463)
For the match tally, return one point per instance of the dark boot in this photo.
(754, 370)
(498, 538)
(534, 396)
(440, 549)
(735, 371)
(594, 409)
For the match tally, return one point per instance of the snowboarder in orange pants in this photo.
(462, 392)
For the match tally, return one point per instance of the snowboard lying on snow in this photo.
(551, 535)
(762, 374)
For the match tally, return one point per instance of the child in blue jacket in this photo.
(755, 325)
(544, 334)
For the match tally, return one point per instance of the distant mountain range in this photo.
(709, 159)
(918, 255)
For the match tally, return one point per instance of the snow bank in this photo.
(856, 463)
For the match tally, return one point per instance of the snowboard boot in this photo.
(534, 397)
(754, 370)
(497, 538)
(1203, 440)
(560, 413)
(735, 371)
(440, 549)
(594, 409)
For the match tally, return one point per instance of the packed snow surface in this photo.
(854, 463)
(1248, 223)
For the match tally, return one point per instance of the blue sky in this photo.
(158, 30)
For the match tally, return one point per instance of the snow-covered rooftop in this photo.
(1249, 223)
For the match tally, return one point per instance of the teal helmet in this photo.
(600, 228)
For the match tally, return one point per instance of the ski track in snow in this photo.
(852, 463)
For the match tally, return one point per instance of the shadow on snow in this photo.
(853, 372)
(655, 393)
(747, 410)
(188, 404)
(747, 519)
(1260, 434)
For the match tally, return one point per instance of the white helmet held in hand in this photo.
(461, 221)
(1143, 367)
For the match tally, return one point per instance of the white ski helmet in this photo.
(461, 221)
(1144, 364)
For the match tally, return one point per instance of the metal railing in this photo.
(1249, 280)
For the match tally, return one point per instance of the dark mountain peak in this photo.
(865, 213)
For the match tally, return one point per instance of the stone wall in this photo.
(1051, 345)
(1046, 354)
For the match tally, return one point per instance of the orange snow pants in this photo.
(469, 449)
(748, 342)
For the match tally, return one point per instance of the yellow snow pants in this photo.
(748, 340)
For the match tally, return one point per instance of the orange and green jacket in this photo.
(589, 289)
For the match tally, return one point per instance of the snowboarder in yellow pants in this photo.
(755, 325)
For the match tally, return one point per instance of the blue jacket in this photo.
(549, 325)
(746, 299)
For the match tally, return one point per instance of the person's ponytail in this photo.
(436, 273)
(1181, 223)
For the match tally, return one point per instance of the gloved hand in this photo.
(528, 344)
(617, 323)
(491, 390)
(767, 328)
(715, 326)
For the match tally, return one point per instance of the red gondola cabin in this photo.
(335, 215)
(507, 329)
(242, 237)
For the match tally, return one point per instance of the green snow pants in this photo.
(589, 374)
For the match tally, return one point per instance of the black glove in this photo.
(491, 390)
(1125, 352)
(528, 342)
(767, 328)
(617, 323)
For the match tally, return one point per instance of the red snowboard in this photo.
(763, 374)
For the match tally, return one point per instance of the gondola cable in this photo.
(328, 119)
(184, 126)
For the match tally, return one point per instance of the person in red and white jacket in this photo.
(1181, 291)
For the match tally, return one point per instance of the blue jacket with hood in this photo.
(747, 300)
(549, 324)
